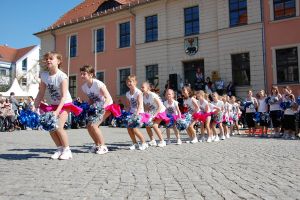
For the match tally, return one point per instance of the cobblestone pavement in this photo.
(237, 168)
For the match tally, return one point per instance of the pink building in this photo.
(106, 27)
(282, 39)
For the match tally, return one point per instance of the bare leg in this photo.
(149, 131)
(139, 135)
(55, 138)
(176, 131)
(132, 135)
(168, 133)
(157, 130)
(62, 134)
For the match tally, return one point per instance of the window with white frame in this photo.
(72, 86)
(151, 28)
(284, 9)
(191, 21)
(287, 65)
(124, 33)
(100, 76)
(24, 81)
(24, 64)
(123, 74)
(240, 69)
(73, 46)
(99, 37)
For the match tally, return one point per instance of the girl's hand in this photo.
(55, 113)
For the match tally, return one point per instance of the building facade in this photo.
(22, 64)
(102, 35)
(282, 36)
(222, 38)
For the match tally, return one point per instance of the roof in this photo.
(9, 54)
(88, 10)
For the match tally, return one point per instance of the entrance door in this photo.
(190, 73)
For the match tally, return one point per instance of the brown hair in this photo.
(189, 90)
(52, 54)
(132, 78)
(88, 69)
(274, 88)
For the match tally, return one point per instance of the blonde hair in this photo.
(201, 93)
(131, 78)
(53, 54)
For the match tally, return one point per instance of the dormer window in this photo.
(108, 4)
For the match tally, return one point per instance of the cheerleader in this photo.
(236, 114)
(205, 109)
(226, 114)
(190, 103)
(251, 105)
(289, 115)
(135, 106)
(172, 109)
(275, 110)
(217, 117)
(154, 106)
(263, 113)
(56, 82)
(97, 94)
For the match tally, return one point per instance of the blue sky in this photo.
(21, 18)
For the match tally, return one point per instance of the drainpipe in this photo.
(264, 47)
(134, 29)
(54, 36)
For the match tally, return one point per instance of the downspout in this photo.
(134, 29)
(264, 47)
(54, 37)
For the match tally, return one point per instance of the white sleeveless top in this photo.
(149, 101)
(276, 105)
(203, 105)
(171, 108)
(94, 92)
(189, 104)
(262, 105)
(53, 84)
(133, 100)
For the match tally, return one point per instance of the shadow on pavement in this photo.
(21, 156)
(48, 151)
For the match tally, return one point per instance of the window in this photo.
(240, 69)
(124, 34)
(124, 73)
(191, 20)
(24, 81)
(99, 36)
(72, 86)
(3, 72)
(284, 9)
(238, 12)
(152, 74)
(151, 28)
(24, 64)
(73, 46)
(100, 76)
(287, 65)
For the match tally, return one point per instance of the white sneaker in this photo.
(66, 154)
(143, 146)
(227, 135)
(168, 142)
(93, 149)
(233, 133)
(195, 140)
(101, 150)
(216, 139)
(57, 153)
(202, 139)
(213, 138)
(152, 143)
(179, 142)
(134, 146)
(209, 140)
(223, 137)
(162, 144)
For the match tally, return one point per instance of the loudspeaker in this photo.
(173, 81)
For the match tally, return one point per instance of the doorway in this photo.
(196, 80)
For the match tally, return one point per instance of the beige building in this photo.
(221, 37)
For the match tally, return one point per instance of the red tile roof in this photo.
(86, 8)
(8, 54)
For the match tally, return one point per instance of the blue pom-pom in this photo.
(49, 122)
(256, 117)
(172, 121)
(285, 105)
(29, 118)
(182, 124)
(134, 121)
(96, 112)
(267, 100)
(298, 100)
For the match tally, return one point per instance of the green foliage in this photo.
(4, 88)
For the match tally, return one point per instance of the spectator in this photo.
(230, 89)
(208, 86)
(199, 80)
(220, 86)
(14, 102)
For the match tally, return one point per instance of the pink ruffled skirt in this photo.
(114, 109)
(162, 116)
(67, 107)
(200, 116)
